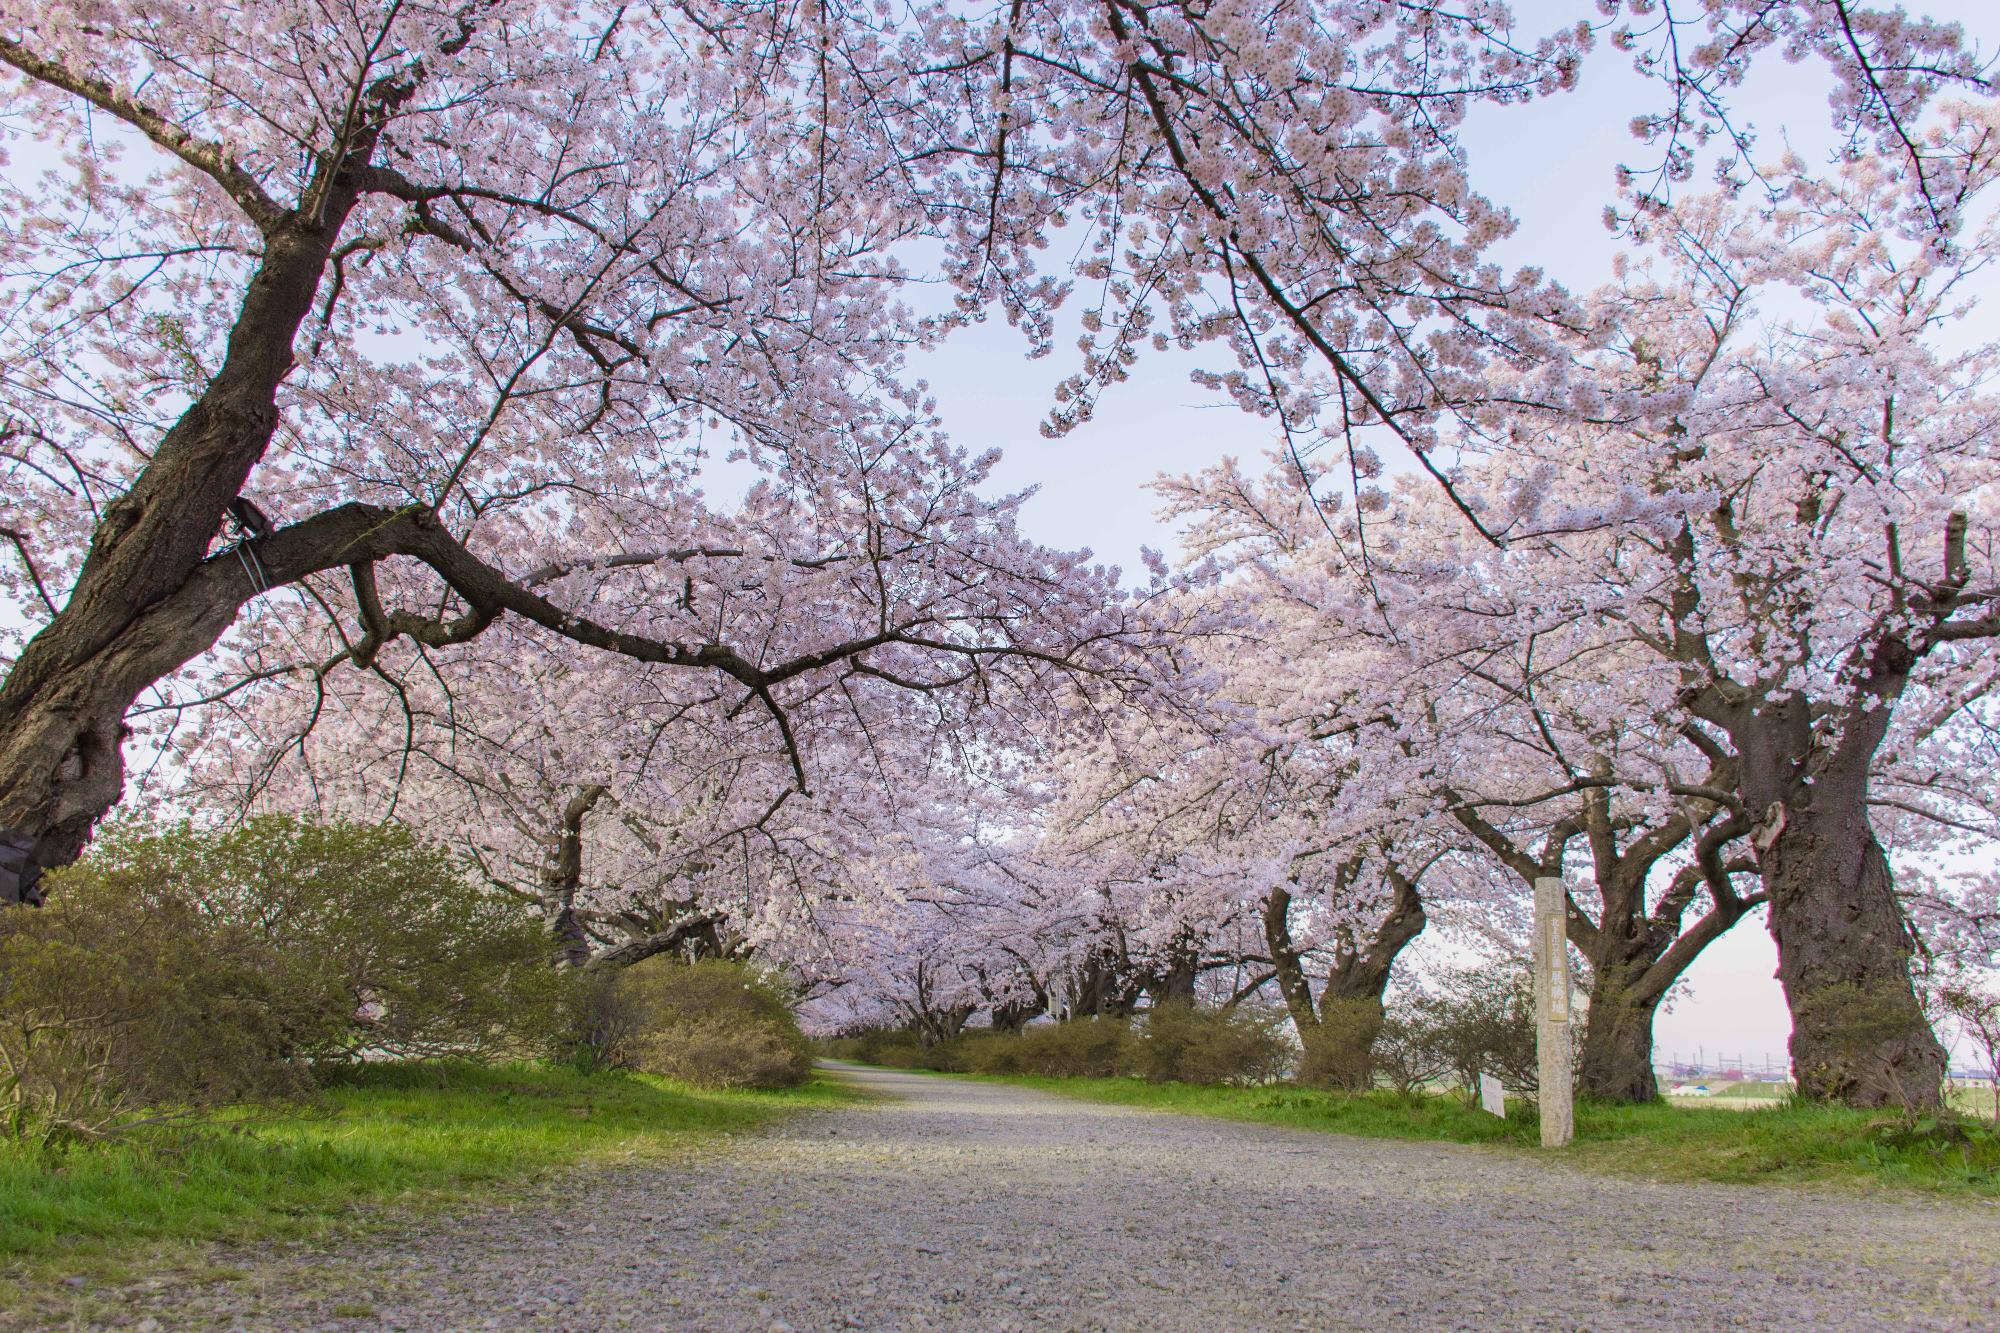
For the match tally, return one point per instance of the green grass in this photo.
(1792, 1143)
(1753, 1089)
(382, 1136)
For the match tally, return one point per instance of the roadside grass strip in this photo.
(1790, 1143)
(385, 1136)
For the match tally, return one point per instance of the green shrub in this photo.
(1180, 1043)
(108, 1008)
(895, 1048)
(1466, 1023)
(182, 967)
(1079, 1048)
(400, 950)
(908, 1048)
(723, 1052)
(1339, 1049)
(987, 1052)
(714, 1024)
(1407, 1054)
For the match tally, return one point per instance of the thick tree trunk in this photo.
(1174, 983)
(1617, 1049)
(938, 1026)
(565, 876)
(1337, 1033)
(1637, 948)
(695, 936)
(1102, 987)
(127, 622)
(1859, 1034)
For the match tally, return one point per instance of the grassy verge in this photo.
(1791, 1143)
(382, 1136)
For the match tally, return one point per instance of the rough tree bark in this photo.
(698, 935)
(1013, 1015)
(1173, 982)
(1014, 1008)
(1634, 960)
(565, 875)
(1104, 985)
(1338, 1030)
(1637, 955)
(135, 613)
(1615, 1056)
(936, 1019)
(1859, 1034)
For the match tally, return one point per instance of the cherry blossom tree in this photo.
(465, 285)
(1251, 840)
(475, 299)
(1481, 718)
(1800, 434)
(1568, 763)
(472, 287)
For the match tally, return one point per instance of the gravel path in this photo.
(955, 1205)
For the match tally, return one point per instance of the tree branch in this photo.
(207, 158)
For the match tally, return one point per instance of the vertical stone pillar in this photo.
(1552, 1011)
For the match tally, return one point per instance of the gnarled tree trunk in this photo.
(1636, 950)
(1013, 1015)
(565, 876)
(137, 612)
(1636, 956)
(1173, 982)
(1616, 1053)
(1859, 1034)
(1338, 1030)
(1103, 985)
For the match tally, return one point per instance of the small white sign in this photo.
(1492, 1097)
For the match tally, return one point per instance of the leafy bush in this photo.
(894, 1048)
(1177, 1042)
(1407, 1054)
(979, 1050)
(1339, 1050)
(985, 1051)
(1180, 1043)
(714, 1024)
(398, 949)
(1080, 1048)
(108, 1007)
(1465, 1023)
(184, 967)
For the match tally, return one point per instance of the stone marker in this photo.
(1552, 995)
(1492, 1097)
